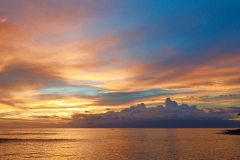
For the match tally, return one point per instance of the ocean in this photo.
(117, 143)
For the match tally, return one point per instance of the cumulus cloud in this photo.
(136, 54)
(170, 115)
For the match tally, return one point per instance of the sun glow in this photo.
(57, 62)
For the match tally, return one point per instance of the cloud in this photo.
(170, 115)
(16, 119)
(127, 52)
(2, 20)
(118, 98)
(22, 77)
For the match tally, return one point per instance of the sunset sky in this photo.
(60, 59)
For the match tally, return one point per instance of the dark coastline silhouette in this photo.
(234, 132)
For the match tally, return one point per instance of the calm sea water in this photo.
(118, 144)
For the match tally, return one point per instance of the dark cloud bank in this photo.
(171, 115)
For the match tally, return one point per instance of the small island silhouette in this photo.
(234, 132)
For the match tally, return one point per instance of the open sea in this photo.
(118, 143)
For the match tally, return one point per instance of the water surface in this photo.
(118, 144)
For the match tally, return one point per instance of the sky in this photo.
(86, 63)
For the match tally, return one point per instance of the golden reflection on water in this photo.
(118, 144)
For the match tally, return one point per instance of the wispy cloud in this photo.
(2, 20)
(85, 56)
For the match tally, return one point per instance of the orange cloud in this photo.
(43, 48)
(2, 20)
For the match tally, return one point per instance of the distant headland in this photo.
(234, 132)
